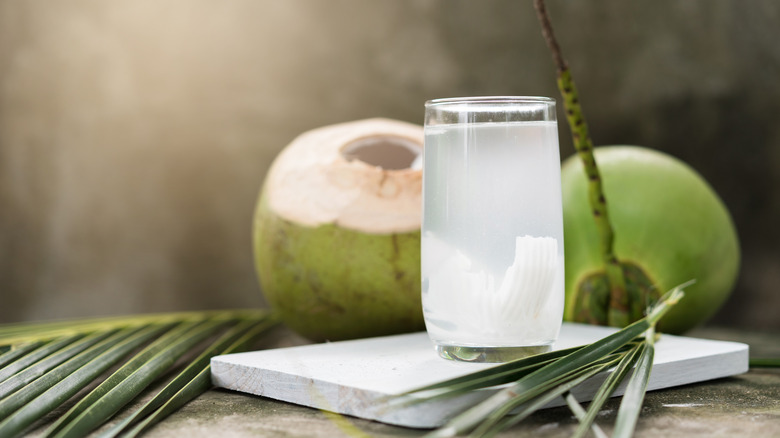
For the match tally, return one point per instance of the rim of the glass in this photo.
(489, 100)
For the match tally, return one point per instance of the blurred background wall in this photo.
(135, 134)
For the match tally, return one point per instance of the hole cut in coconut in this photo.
(387, 152)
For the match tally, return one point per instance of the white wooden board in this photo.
(351, 377)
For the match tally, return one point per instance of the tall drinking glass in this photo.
(492, 231)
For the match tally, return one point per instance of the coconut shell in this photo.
(337, 231)
(667, 220)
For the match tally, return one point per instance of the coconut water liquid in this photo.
(492, 234)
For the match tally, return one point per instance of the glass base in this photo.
(489, 354)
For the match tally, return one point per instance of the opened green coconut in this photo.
(670, 227)
(337, 231)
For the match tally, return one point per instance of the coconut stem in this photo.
(618, 301)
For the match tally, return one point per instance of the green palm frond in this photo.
(606, 390)
(45, 364)
(765, 362)
(10, 355)
(530, 384)
(631, 405)
(191, 382)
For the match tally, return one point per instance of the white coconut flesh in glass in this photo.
(337, 230)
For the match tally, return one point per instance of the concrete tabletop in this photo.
(745, 405)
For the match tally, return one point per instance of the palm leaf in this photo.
(765, 362)
(191, 388)
(45, 394)
(181, 380)
(493, 376)
(29, 370)
(580, 414)
(195, 387)
(19, 333)
(553, 377)
(544, 398)
(606, 390)
(34, 356)
(498, 375)
(11, 354)
(129, 380)
(485, 415)
(631, 405)
(47, 364)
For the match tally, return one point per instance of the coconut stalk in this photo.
(618, 313)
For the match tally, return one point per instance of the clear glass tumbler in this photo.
(492, 231)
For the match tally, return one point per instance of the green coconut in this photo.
(337, 231)
(670, 228)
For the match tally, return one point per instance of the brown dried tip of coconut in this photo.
(363, 175)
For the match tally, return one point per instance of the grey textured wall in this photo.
(135, 134)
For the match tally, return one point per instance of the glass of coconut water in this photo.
(492, 230)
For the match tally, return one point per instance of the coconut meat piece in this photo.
(362, 175)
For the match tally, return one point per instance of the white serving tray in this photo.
(352, 377)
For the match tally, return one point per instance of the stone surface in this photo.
(747, 405)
